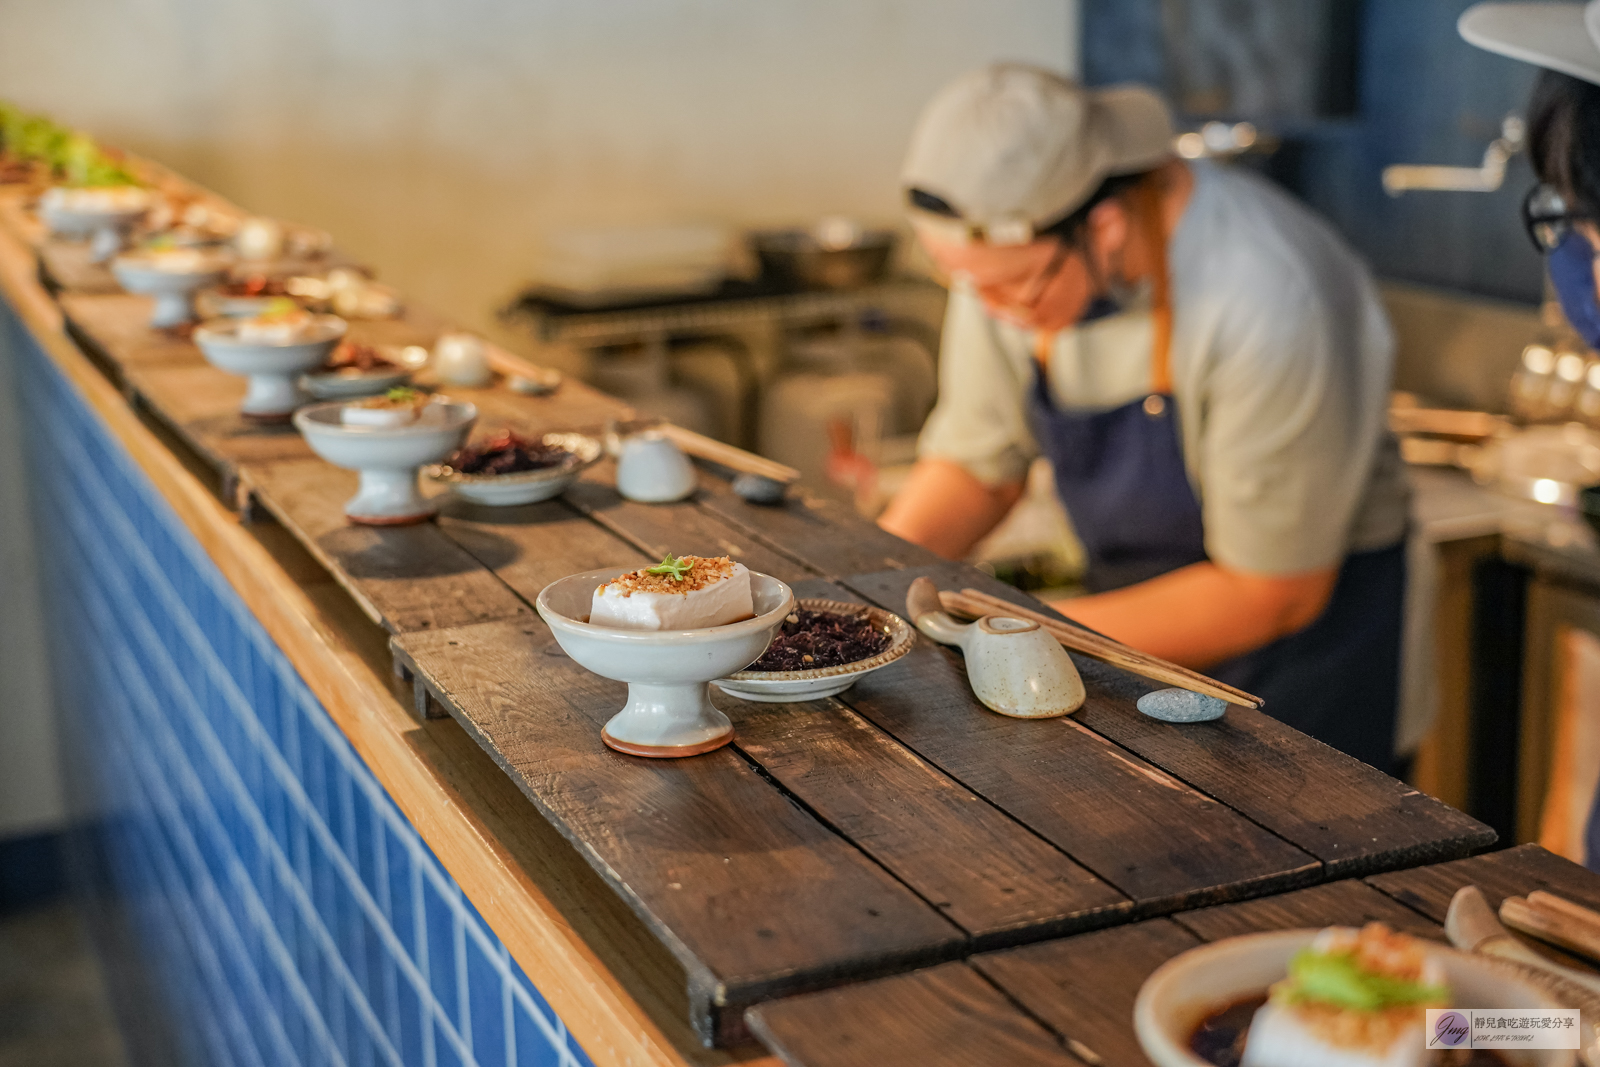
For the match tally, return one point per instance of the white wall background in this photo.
(438, 141)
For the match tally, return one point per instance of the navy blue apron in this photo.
(1122, 479)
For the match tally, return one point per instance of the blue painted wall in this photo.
(281, 910)
(1423, 96)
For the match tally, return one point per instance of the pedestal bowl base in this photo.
(667, 751)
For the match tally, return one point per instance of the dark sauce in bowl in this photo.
(1220, 1038)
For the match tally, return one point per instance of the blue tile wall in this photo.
(288, 912)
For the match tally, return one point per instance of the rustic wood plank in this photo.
(1151, 836)
(1083, 987)
(68, 268)
(945, 1016)
(532, 545)
(985, 871)
(677, 528)
(405, 578)
(1511, 872)
(756, 897)
(1346, 903)
(823, 534)
(118, 326)
(1352, 817)
(201, 404)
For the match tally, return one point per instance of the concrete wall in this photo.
(440, 140)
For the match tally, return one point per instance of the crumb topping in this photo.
(703, 571)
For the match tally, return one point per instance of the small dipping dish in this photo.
(387, 457)
(783, 687)
(271, 368)
(523, 487)
(669, 712)
(172, 278)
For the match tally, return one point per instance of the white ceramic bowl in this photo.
(105, 228)
(523, 487)
(272, 369)
(784, 687)
(387, 456)
(1185, 990)
(173, 289)
(669, 712)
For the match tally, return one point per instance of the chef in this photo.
(1206, 366)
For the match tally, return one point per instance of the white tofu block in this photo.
(180, 261)
(1278, 1039)
(723, 601)
(273, 333)
(351, 415)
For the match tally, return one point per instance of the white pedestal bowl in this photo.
(669, 712)
(173, 290)
(272, 369)
(387, 457)
(71, 213)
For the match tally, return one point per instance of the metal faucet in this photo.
(1484, 178)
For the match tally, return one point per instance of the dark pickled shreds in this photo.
(507, 453)
(830, 638)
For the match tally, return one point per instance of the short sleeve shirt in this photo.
(1281, 357)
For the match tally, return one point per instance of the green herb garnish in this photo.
(675, 567)
(1336, 978)
(402, 394)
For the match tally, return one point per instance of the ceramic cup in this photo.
(388, 457)
(653, 470)
(271, 368)
(669, 712)
(463, 360)
(1186, 989)
(1014, 666)
(173, 290)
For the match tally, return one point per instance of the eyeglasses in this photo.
(1546, 218)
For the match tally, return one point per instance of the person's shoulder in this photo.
(1258, 259)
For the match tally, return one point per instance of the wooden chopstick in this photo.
(977, 603)
(727, 455)
(1560, 922)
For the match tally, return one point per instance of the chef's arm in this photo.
(943, 508)
(1205, 613)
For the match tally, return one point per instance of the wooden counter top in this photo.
(893, 828)
(1070, 1002)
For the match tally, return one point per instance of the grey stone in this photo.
(1181, 705)
(758, 490)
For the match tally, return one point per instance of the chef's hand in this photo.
(943, 508)
(1204, 613)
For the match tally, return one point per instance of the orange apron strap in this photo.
(1044, 342)
(1147, 203)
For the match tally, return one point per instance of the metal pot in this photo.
(828, 257)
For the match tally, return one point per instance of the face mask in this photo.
(1571, 268)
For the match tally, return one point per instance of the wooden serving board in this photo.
(981, 817)
(1071, 1000)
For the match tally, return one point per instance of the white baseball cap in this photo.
(1559, 37)
(1013, 148)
